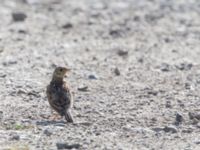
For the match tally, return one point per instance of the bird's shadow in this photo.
(60, 123)
(48, 122)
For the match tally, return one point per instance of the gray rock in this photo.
(47, 132)
(116, 71)
(122, 52)
(1, 115)
(92, 76)
(184, 66)
(157, 129)
(15, 137)
(67, 146)
(170, 128)
(67, 26)
(178, 119)
(83, 88)
(165, 67)
(19, 16)
(194, 115)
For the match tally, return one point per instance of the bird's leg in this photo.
(55, 116)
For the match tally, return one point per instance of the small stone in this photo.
(22, 31)
(19, 16)
(32, 1)
(171, 129)
(1, 115)
(21, 91)
(15, 137)
(140, 60)
(167, 40)
(93, 77)
(117, 72)
(136, 18)
(115, 33)
(157, 129)
(83, 88)
(67, 146)
(184, 66)
(188, 130)
(86, 123)
(2, 75)
(122, 52)
(47, 132)
(165, 67)
(197, 142)
(11, 62)
(194, 116)
(168, 104)
(154, 93)
(179, 119)
(67, 26)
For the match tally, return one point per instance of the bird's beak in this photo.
(67, 69)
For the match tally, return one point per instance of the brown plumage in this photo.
(59, 95)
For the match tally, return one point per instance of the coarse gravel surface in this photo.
(135, 74)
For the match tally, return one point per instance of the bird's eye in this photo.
(61, 70)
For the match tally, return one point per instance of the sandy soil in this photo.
(139, 61)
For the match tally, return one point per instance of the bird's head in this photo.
(60, 72)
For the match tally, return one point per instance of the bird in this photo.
(59, 95)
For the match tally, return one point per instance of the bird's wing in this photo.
(67, 97)
(55, 100)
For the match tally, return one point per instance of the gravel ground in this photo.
(135, 74)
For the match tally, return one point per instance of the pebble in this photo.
(67, 26)
(1, 115)
(116, 71)
(157, 129)
(179, 119)
(194, 115)
(19, 16)
(47, 132)
(93, 77)
(83, 88)
(184, 66)
(165, 67)
(15, 137)
(67, 146)
(122, 52)
(170, 128)
(115, 33)
(197, 142)
(168, 104)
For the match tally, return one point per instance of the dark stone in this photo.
(157, 129)
(115, 33)
(168, 104)
(179, 119)
(22, 31)
(122, 53)
(184, 66)
(67, 26)
(165, 67)
(83, 88)
(67, 146)
(19, 16)
(154, 93)
(171, 129)
(47, 132)
(93, 77)
(117, 72)
(194, 115)
(15, 137)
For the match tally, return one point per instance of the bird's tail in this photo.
(68, 116)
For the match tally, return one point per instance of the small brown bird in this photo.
(59, 95)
